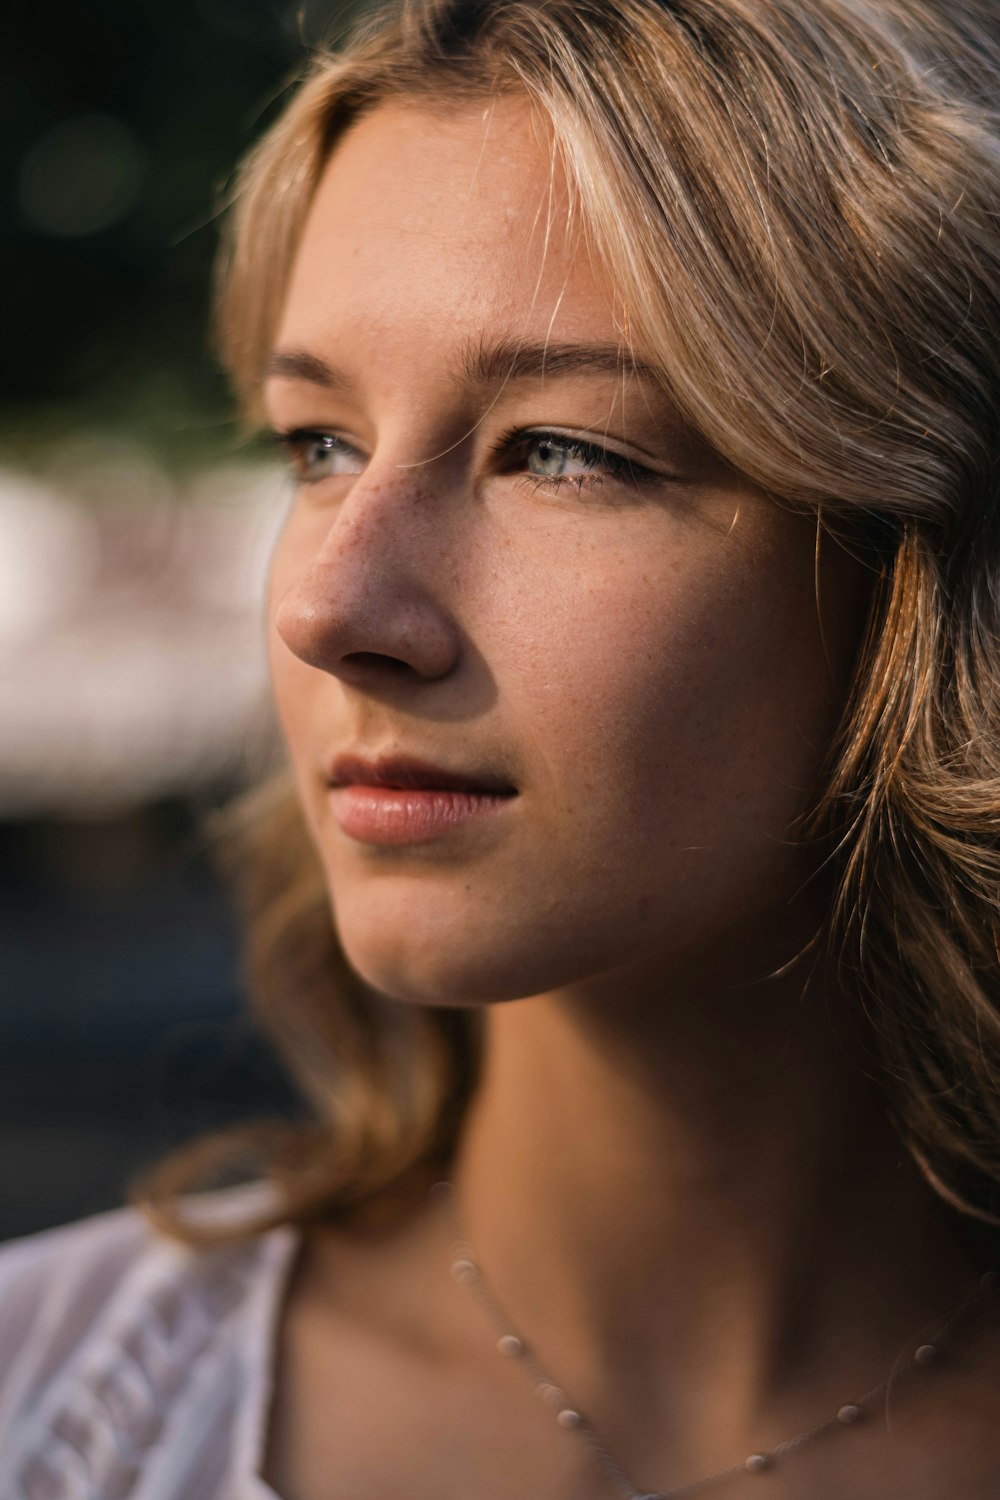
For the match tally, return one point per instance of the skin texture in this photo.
(646, 663)
(677, 1170)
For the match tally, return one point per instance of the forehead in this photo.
(431, 224)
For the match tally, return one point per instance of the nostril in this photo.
(377, 661)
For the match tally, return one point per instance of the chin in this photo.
(450, 975)
(466, 957)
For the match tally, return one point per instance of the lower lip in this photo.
(384, 815)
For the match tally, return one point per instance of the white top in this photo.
(133, 1368)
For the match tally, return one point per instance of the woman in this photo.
(633, 635)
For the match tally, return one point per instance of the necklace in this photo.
(466, 1270)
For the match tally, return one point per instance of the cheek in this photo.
(292, 688)
(678, 715)
(295, 686)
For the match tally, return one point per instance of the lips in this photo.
(401, 773)
(399, 801)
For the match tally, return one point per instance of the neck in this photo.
(685, 1193)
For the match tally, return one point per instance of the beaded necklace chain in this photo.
(466, 1270)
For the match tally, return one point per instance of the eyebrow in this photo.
(484, 364)
(505, 359)
(297, 364)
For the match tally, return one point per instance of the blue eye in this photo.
(550, 459)
(318, 455)
(554, 460)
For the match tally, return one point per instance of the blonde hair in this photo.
(798, 200)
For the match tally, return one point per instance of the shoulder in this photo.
(109, 1331)
(74, 1268)
(57, 1284)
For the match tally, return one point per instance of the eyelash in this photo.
(511, 445)
(296, 439)
(518, 440)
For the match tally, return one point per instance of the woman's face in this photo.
(507, 559)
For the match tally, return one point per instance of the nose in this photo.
(362, 598)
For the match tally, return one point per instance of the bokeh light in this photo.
(82, 176)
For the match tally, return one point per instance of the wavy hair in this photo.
(798, 200)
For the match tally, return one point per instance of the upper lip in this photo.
(404, 773)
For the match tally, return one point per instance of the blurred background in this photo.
(135, 526)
